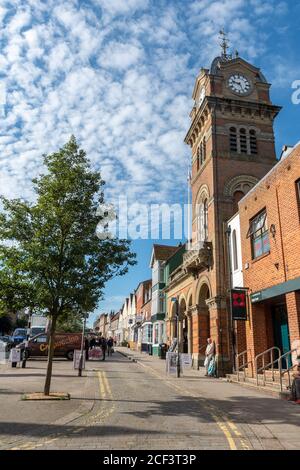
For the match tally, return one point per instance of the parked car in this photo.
(5, 338)
(64, 345)
(19, 335)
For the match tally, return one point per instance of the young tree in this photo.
(52, 243)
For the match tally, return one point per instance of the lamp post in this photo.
(24, 353)
(175, 300)
(82, 347)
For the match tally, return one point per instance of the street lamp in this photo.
(80, 366)
(176, 302)
(28, 313)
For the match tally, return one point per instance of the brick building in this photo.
(232, 143)
(143, 315)
(270, 240)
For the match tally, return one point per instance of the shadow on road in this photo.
(241, 409)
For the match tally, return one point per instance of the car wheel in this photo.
(70, 355)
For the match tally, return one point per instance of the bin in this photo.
(163, 351)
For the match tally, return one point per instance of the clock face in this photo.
(201, 96)
(239, 84)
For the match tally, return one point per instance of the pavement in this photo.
(129, 402)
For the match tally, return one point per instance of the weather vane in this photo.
(224, 45)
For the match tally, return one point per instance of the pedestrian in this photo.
(110, 344)
(209, 355)
(295, 392)
(103, 345)
(92, 342)
(86, 347)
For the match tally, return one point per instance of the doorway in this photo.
(281, 332)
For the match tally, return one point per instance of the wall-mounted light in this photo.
(273, 230)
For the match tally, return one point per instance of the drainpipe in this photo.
(230, 286)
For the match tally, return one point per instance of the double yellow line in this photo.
(228, 428)
(107, 396)
(105, 390)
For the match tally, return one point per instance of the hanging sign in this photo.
(239, 304)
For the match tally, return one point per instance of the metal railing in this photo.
(286, 356)
(245, 364)
(269, 365)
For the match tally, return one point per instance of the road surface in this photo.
(121, 404)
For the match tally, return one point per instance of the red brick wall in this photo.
(277, 194)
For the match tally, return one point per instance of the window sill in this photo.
(261, 257)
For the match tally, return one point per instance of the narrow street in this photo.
(121, 404)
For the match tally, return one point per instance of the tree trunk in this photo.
(50, 355)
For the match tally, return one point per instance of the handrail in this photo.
(244, 364)
(285, 371)
(265, 366)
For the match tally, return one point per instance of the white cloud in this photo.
(117, 74)
(120, 56)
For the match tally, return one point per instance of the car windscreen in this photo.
(20, 332)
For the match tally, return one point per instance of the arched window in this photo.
(205, 227)
(243, 141)
(233, 140)
(203, 221)
(204, 150)
(198, 158)
(253, 142)
(234, 249)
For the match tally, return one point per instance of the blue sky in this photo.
(119, 75)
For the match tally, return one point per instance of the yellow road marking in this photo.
(225, 430)
(221, 421)
(101, 384)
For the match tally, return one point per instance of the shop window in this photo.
(259, 235)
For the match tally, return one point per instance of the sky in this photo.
(119, 75)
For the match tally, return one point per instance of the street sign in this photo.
(257, 297)
(15, 355)
(186, 360)
(76, 359)
(239, 304)
(171, 362)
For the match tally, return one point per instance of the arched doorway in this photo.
(183, 327)
(204, 318)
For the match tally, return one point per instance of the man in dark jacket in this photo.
(103, 346)
(110, 344)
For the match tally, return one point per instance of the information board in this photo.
(76, 359)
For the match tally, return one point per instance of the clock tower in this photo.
(231, 137)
